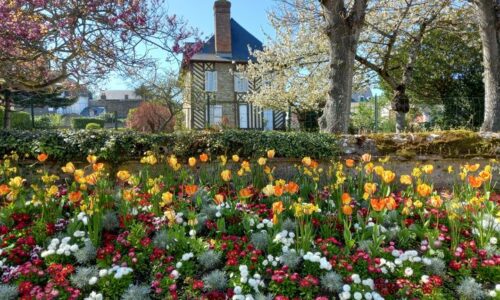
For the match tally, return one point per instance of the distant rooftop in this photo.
(118, 95)
(241, 40)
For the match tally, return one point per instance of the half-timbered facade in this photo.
(214, 89)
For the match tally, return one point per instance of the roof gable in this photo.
(241, 39)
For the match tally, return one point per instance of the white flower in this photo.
(346, 288)
(103, 273)
(192, 232)
(79, 233)
(358, 296)
(408, 272)
(497, 287)
(368, 296)
(395, 253)
(355, 278)
(492, 294)
(424, 279)
(493, 240)
(93, 280)
(238, 290)
(178, 265)
(345, 295)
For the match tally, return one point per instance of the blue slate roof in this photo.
(241, 40)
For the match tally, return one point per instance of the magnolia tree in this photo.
(45, 42)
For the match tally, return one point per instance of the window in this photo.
(243, 116)
(268, 119)
(215, 114)
(103, 96)
(240, 83)
(126, 97)
(210, 81)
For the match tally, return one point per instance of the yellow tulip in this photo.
(192, 162)
(271, 153)
(69, 168)
(405, 179)
(261, 161)
(123, 175)
(166, 199)
(226, 175)
(235, 158)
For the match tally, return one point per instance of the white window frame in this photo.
(243, 118)
(210, 81)
(240, 83)
(215, 111)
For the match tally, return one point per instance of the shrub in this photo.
(92, 126)
(150, 117)
(119, 146)
(50, 121)
(81, 123)
(18, 120)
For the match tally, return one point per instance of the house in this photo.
(214, 90)
(113, 101)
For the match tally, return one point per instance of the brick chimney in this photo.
(222, 10)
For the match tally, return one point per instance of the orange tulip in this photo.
(485, 175)
(75, 196)
(278, 190)
(42, 157)
(246, 193)
(219, 199)
(346, 198)
(4, 190)
(366, 157)
(91, 179)
(203, 157)
(349, 163)
(390, 203)
(377, 204)
(475, 182)
(424, 190)
(347, 210)
(278, 207)
(271, 153)
(472, 168)
(98, 167)
(190, 189)
(291, 187)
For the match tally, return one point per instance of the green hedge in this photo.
(18, 120)
(81, 123)
(119, 146)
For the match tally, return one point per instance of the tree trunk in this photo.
(489, 23)
(401, 105)
(6, 112)
(343, 33)
(32, 116)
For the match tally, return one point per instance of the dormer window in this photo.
(126, 97)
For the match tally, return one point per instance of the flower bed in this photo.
(231, 230)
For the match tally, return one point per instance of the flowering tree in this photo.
(488, 17)
(45, 42)
(151, 117)
(390, 26)
(294, 64)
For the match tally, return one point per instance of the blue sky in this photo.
(251, 14)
